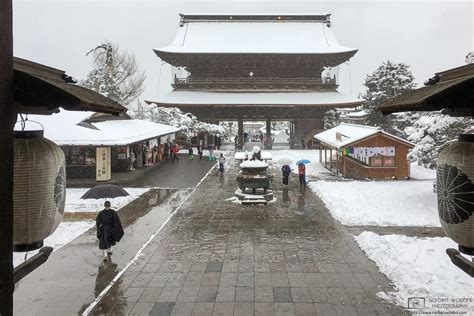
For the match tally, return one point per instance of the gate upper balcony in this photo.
(255, 83)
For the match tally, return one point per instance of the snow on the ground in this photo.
(421, 173)
(418, 267)
(290, 157)
(75, 204)
(380, 203)
(65, 233)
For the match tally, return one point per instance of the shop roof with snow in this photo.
(358, 151)
(80, 133)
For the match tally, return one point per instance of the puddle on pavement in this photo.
(154, 198)
(295, 202)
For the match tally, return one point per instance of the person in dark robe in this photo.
(199, 149)
(286, 171)
(109, 229)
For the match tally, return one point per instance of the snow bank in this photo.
(290, 157)
(421, 173)
(65, 233)
(418, 267)
(75, 204)
(380, 203)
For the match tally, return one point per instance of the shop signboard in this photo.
(103, 164)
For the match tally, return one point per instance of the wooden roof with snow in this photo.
(346, 134)
(270, 99)
(303, 35)
(451, 91)
(40, 89)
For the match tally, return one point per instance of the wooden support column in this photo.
(344, 167)
(330, 158)
(337, 162)
(320, 153)
(325, 156)
(7, 123)
(240, 133)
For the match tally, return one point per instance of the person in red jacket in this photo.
(174, 152)
(302, 174)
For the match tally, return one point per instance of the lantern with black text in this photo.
(39, 192)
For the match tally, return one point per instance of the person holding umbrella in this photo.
(302, 171)
(302, 174)
(109, 229)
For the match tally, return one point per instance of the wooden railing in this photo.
(252, 82)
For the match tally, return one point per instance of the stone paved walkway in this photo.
(216, 257)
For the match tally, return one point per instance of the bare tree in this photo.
(115, 74)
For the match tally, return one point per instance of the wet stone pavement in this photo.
(74, 275)
(216, 257)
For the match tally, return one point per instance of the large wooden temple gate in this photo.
(257, 67)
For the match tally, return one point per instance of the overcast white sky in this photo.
(429, 36)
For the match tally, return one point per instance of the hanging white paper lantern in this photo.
(455, 189)
(39, 193)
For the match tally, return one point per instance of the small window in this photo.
(376, 161)
(389, 161)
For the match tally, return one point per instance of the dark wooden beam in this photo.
(31, 264)
(461, 262)
(7, 122)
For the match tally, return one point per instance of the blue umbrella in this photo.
(303, 161)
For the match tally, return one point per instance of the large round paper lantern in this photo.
(455, 190)
(39, 192)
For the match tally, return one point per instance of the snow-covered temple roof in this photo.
(255, 34)
(328, 99)
(346, 134)
(62, 129)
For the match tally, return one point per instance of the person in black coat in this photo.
(109, 229)
(286, 171)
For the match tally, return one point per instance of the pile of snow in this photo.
(380, 203)
(75, 204)
(421, 173)
(253, 164)
(418, 267)
(290, 157)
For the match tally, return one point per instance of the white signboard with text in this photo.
(103, 164)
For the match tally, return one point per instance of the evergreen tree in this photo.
(432, 132)
(388, 81)
(332, 118)
(115, 74)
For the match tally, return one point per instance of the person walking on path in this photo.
(191, 153)
(211, 152)
(199, 149)
(174, 152)
(221, 163)
(302, 174)
(109, 229)
(167, 151)
(286, 171)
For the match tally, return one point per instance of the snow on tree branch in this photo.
(115, 74)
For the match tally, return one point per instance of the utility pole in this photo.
(7, 124)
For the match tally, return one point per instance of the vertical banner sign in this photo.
(103, 164)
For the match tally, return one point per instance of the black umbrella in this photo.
(104, 191)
